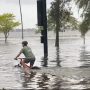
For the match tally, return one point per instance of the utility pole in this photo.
(42, 21)
(21, 17)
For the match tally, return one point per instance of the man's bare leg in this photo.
(26, 68)
(22, 62)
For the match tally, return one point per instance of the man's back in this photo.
(27, 52)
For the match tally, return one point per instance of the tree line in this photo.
(59, 17)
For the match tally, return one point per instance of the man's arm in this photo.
(18, 55)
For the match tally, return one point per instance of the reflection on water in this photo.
(67, 67)
(85, 57)
(44, 62)
(27, 79)
(45, 81)
(37, 81)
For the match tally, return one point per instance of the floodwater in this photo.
(68, 68)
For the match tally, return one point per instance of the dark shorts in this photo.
(30, 60)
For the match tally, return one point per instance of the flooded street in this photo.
(68, 68)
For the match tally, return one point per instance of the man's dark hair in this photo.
(25, 43)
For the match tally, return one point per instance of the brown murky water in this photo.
(68, 67)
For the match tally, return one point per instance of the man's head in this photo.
(24, 43)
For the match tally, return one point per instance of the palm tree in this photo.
(85, 25)
(84, 29)
(83, 4)
(59, 16)
(56, 15)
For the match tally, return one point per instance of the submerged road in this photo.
(67, 68)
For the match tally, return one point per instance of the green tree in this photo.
(83, 28)
(83, 4)
(85, 24)
(60, 16)
(7, 23)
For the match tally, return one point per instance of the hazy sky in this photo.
(29, 10)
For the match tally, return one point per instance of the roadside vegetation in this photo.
(7, 23)
(60, 17)
(84, 26)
